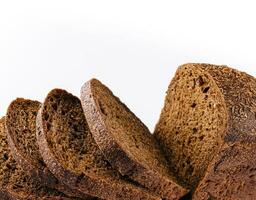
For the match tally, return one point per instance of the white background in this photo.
(133, 47)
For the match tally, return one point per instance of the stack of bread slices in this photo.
(94, 147)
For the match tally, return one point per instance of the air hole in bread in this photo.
(200, 80)
(48, 126)
(205, 90)
(193, 105)
(54, 106)
(195, 130)
(201, 137)
(63, 112)
(46, 117)
(5, 157)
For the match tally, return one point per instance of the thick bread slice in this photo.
(208, 130)
(21, 134)
(232, 174)
(126, 142)
(191, 122)
(15, 184)
(70, 152)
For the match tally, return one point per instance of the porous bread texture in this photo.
(238, 90)
(192, 123)
(15, 180)
(21, 133)
(232, 176)
(71, 153)
(207, 127)
(21, 128)
(126, 142)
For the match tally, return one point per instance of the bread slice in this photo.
(15, 184)
(126, 142)
(232, 174)
(21, 134)
(209, 113)
(70, 152)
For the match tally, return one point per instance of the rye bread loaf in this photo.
(126, 142)
(21, 134)
(207, 129)
(70, 152)
(15, 183)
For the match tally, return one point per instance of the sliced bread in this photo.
(15, 183)
(127, 143)
(209, 113)
(70, 152)
(21, 134)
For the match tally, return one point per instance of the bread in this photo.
(21, 133)
(20, 126)
(6, 195)
(207, 129)
(232, 174)
(15, 184)
(126, 142)
(72, 155)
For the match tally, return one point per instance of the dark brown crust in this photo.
(231, 174)
(118, 158)
(87, 184)
(40, 172)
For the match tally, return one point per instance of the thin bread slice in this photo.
(207, 129)
(70, 152)
(15, 183)
(21, 134)
(127, 143)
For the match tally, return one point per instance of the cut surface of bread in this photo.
(206, 108)
(233, 175)
(71, 153)
(21, 133)
(15, 182)
(191, 123)
(126, 142)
